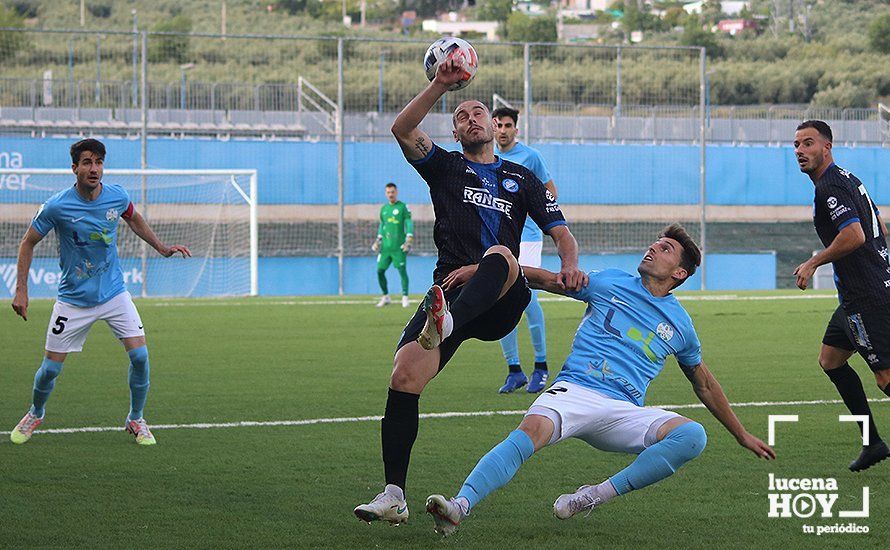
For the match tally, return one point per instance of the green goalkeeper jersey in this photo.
(395, 225)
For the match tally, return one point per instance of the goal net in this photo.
(212, 212)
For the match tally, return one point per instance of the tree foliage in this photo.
(522, 28)
(173, 48)
(879, 33)
(11, 42)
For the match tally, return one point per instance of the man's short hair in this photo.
(89, 144)
(690, 258)
(391, 184)
(506, 111)
(821, 126)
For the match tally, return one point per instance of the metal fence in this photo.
(348, 91)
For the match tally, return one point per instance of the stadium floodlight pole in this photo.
(143, 146)
(340, 167)
(526, 92)
(702, 61)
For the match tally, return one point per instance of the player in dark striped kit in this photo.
(480, 203)
(851, 229)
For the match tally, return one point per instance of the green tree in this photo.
(695, 35)
(11, 42)
(292, 7)
(879, 33)
(522, 28)
(495, 10)
(169, 48)
(844, 94)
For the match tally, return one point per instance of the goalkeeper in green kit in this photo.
(394, 239)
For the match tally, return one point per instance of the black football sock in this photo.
(481, 291)
(849, 386)
(541, 365)
(398, 430)
(514, 368)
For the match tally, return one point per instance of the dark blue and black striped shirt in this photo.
(480, 205)
(863, 276)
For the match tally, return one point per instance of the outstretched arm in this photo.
(26, 255)
(139, 226)
(570, 276)
(415, 143)
(711, 394)
(541, 279)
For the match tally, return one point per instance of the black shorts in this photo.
(867, 333)
(492, 325)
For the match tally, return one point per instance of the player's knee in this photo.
(49, 370)
(503, 251)
(692, 438)
(139, 357)
(405, 378)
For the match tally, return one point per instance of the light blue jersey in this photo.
(626, 335)
(531, 159)
(87, 232)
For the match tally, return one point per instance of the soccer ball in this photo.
(450, 47)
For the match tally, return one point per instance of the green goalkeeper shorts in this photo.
(395, 257)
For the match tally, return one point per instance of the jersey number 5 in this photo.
(60, 324)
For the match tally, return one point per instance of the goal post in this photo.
(213, 212)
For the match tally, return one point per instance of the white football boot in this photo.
(389, 506)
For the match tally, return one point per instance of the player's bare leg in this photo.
(413, 368)
(833, 361)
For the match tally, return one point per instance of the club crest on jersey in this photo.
(111, 214)
(483, 199)
(510, 185)
(832, 202)
(395, 211)
(665, 332)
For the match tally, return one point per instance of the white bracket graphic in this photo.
(857, 418)
(773, 418)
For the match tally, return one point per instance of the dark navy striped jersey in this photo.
(480, 205)
(863, 276)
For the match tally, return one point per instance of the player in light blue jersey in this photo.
(532, 243)
(631, 325)
(85, 218)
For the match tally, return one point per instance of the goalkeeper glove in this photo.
(376, 246)
(406, 246)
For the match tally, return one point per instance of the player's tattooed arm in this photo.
(422, 146)
(711, 395)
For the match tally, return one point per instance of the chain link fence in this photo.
(627, 141)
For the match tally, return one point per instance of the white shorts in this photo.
(69, 325)
(530, 253)
(604, 423)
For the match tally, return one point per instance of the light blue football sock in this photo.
(510, 347)
(44, 382)
(659, 461)
(497, 468)
(535, 318)
(138, 380)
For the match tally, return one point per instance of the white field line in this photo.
(357, 301)
(353, 419)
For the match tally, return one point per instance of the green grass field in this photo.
(295, 486)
